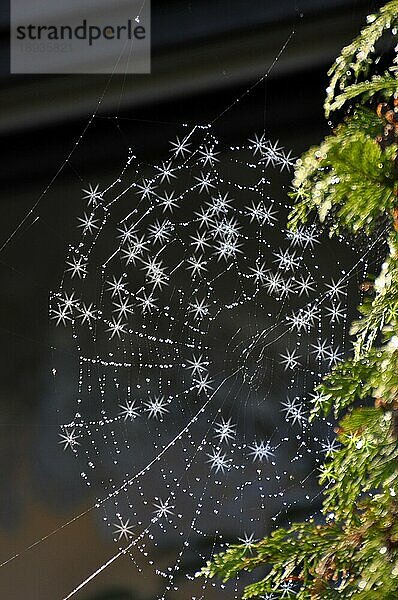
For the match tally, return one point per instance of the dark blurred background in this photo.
(204, 54)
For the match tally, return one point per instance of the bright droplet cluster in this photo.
(199, 326)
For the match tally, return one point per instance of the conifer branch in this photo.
(351, 182)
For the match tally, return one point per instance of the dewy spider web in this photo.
(195, 325)
(196, 322)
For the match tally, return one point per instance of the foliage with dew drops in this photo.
(350, 182)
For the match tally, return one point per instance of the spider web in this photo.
(199, 327)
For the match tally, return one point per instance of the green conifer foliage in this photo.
(351, 182)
